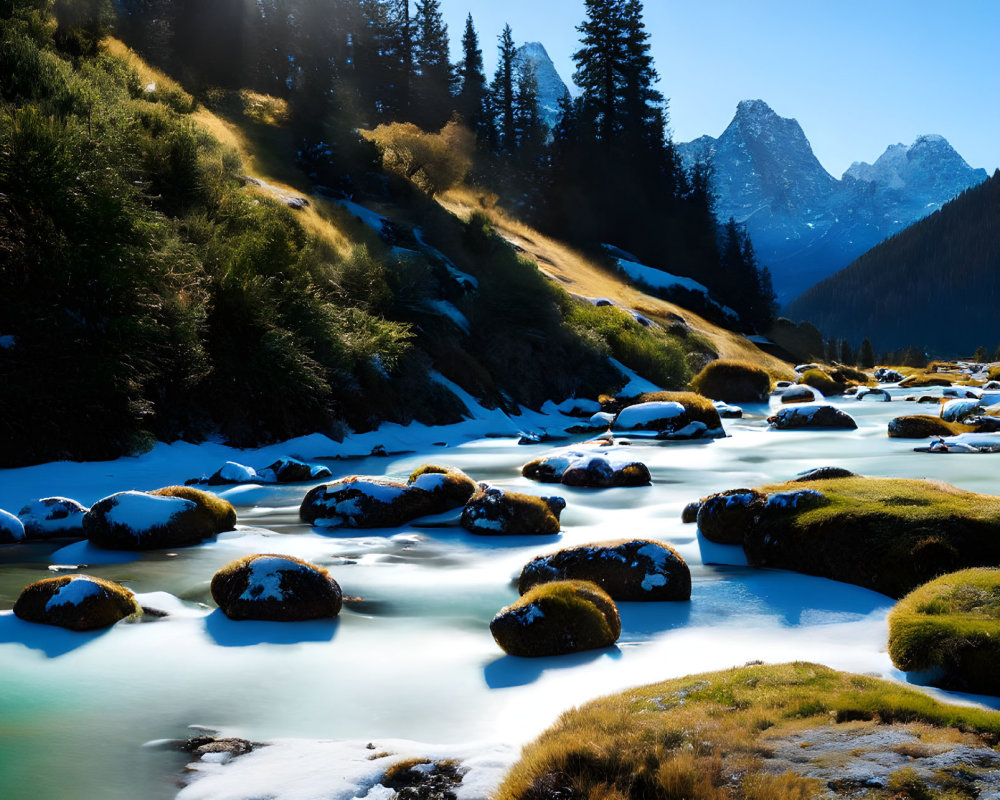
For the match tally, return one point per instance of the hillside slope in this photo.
(584, 276)
(935, 285)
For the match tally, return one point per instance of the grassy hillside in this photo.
(934, 285)
(169, 272)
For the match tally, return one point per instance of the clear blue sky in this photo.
(858, 75)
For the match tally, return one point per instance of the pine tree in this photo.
(599, 63)
(845, 353)
(530, 130)
(866, 355)
(643, 117)
(981, 355)
(432, 69)
(502, 91)
(471, 102)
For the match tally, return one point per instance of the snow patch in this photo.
(73, 592)
(264, 581)
(643, 414)
(140, 512)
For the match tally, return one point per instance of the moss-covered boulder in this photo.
(627, 569)
(217, 512)
(812, 416)
(557, 618)
(822, 382)
(447, 487)
(144, 521)
(53, 518)
(762, 732)
(587, 469)
(11, 528)
(671, 415)
(950, 628)
(886, 534)
(823, 474)
(725, 517)
(733, 381)
(77, 602)
(924, 379)
(276, 588)
(497, 512)
(923, 426)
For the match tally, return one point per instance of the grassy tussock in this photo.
(952, 624)
(733, 381)
(929, 379)
(820, 380)
(702, 737)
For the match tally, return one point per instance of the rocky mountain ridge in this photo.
(551, 87)
(805, 223)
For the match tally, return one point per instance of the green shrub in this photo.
(733, 381)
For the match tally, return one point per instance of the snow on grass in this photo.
(665, 281)
(446, 309)
(374, 221)
(636, 383)
(579, 405)
(140, 512)
(75, 591)
(430, 481)
(463, 278)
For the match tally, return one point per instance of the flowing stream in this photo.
(411, 656)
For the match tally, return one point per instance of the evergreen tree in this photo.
(530, 130)
(432, 69)
(642, 112)
(846, 354)
(472, 90)
(599, 63)
(866, 355)
(981, 355)
(502, 91)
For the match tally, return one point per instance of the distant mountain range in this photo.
(935, 285)
(551, 86)
(806, 224)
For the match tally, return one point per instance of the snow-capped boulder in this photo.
(886, 375)
(497, 512)
(725, 517)
(447, 487)
(277, 588)
(11, 528)
(960, 392)
(291, 470)
(803, 368)
(602, 419)
(727, 411)
(991, 386)
(799, 393)
(77, 602)
(811, 416)
(362, 502)
(52, 518)
(231, 472)
(579, 407)
(627, 569)
(593, 470)
(671, 419)
(142, 521)
(964, 443)
(870, 393)
(958, 410)
(557, 618)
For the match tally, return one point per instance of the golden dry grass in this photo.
(267, 149)
(578, 274)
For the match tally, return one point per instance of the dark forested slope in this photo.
(935, 285)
